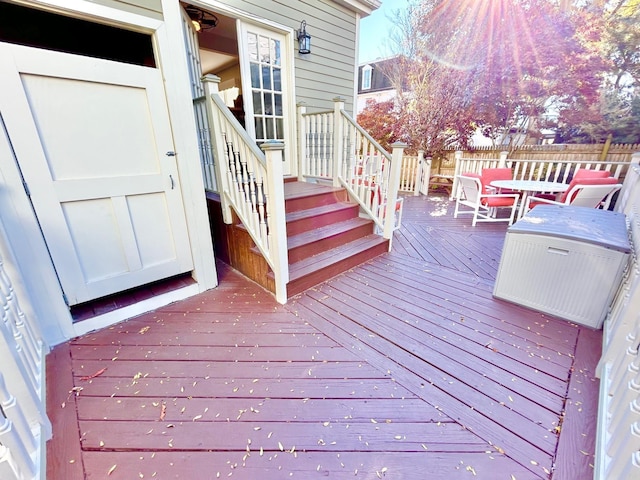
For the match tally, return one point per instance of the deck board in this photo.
(400, 366)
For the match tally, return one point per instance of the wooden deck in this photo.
(404, 368)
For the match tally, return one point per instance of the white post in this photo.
(419, 170)
(211, 83)
(392, 190)
(338, 139)
(303, 163)
(457, 171)
(503, 159)
(277, 218)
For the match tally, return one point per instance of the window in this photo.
(366, 77)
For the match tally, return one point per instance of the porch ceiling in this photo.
(402, 366)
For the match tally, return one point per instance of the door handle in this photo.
(173, 184)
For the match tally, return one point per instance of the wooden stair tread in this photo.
(321, 210)
(317, 234)
(301, 189)
(333, 256)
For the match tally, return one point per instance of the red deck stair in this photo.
(325, 235)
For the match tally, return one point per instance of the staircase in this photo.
(325, 235)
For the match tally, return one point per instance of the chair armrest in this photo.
(527, 205)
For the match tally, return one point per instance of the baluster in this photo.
(262, 214)
(13, 411)
(22, 332)
(8, 467)
(10, 439)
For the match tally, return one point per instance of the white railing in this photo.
(523, 169)
(334, 148)
(618, 437)
(24, 426)
(251, 183)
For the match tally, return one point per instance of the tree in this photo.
(497, 65)
(380, 119)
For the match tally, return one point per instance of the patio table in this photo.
(528, 187)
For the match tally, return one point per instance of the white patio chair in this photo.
(482, 205)
(596, 194)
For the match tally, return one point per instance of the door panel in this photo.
(91, 138)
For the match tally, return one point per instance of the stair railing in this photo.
(250, 183)
(333, 147)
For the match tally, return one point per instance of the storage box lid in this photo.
(590, 225)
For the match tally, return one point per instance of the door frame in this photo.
(288, 92)
(38, 271)
(214, 6)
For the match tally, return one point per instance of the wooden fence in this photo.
(583, 153)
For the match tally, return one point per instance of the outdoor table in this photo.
(528, 187)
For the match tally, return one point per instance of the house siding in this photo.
(328, 71)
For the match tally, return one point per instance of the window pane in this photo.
(252, 40)
(280, 128)
(277, 104)
(277, 82)
(268, 104)
(257, 103)
(266, 78)
(270, 128)
(264, 49)
(275, 52)
(259, 128)
(255, 75)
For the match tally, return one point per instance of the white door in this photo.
(93, 141)
(265, 63)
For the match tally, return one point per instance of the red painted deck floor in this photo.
(402, 368)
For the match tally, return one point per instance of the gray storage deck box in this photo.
(566, 261)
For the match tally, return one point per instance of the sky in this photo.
(374, 31)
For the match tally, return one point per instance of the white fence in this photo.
(523, 169)
(618, 438)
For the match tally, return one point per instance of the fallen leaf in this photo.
(97, 374)
(111, 470)
(163, 411)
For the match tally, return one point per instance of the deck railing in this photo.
(24, 426)
(618, 438)
(250, 183)
(523, 169)
(335, 149)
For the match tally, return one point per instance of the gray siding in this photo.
(328, 71)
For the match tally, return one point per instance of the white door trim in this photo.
(288, 90)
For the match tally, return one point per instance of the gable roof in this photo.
(379, 79)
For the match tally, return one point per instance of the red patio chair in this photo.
(584, 192)
(482, 205)
(491, 174)
(578, 177)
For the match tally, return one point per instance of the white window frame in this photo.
(367, 73)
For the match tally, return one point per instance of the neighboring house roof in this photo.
(376, 80)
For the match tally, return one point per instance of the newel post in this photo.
(303, 162)
(338, 139)
(276, 217)
(392, 190)
(503, 159)
(211, 87)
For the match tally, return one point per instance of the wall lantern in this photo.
(200, 19)
(304, 39)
